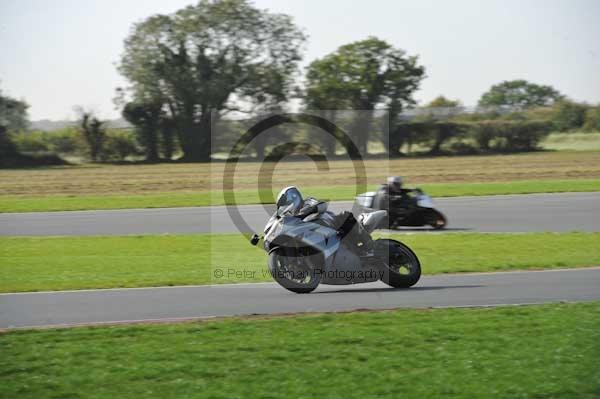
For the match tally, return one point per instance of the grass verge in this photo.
(248, 196)
(572, 141)
(542, 351)
(61, 263)
(105, 186)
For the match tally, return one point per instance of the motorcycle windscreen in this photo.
(366, 199)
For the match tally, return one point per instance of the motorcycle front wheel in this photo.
(436, 219)
(401, 267)
(293, 271)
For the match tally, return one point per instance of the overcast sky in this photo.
(58, 54)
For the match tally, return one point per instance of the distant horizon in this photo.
(63, 54)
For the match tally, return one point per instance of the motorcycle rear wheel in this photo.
(401, 267)
(296, 273)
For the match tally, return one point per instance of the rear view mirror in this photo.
(255, 239)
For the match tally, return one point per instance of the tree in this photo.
(440, 108)
(13, 114)
(443, 102)
(93, 133)
(209, 58)
(569, 115)
(118, 146)
(322, 93)
(520, 94)
(364, 75)
(7, 147)
(147, 119)
(167, 137)
(13, 118)
(592, 119)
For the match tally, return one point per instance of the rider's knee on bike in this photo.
(350, 230)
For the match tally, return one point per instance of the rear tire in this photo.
(401, 267)
(280, 269)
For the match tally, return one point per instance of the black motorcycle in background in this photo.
(414, 209)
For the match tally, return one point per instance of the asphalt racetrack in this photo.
(504, 213)
(180, 303)
(514, 213)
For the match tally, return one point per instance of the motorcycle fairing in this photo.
(341, 266)
(424, 201)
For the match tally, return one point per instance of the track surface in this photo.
(510, 213)
(146, 304)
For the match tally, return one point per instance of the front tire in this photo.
(400, 266)
(293, 271)
(436, 219)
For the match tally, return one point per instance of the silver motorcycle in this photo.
(318, 247)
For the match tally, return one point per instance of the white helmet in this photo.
(290, 195)
(395, 181)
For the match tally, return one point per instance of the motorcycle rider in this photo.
(311, 209)
(392, 189)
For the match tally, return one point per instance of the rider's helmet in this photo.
(290, 195)
(394, 182)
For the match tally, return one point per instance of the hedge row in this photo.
(426, 136)
(482, 136)
(118, 146)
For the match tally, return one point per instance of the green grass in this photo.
(105, 186)
(246, 196)
(60, 263)
(542, 351)
(573, 141)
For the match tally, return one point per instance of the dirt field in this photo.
(164, 178)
